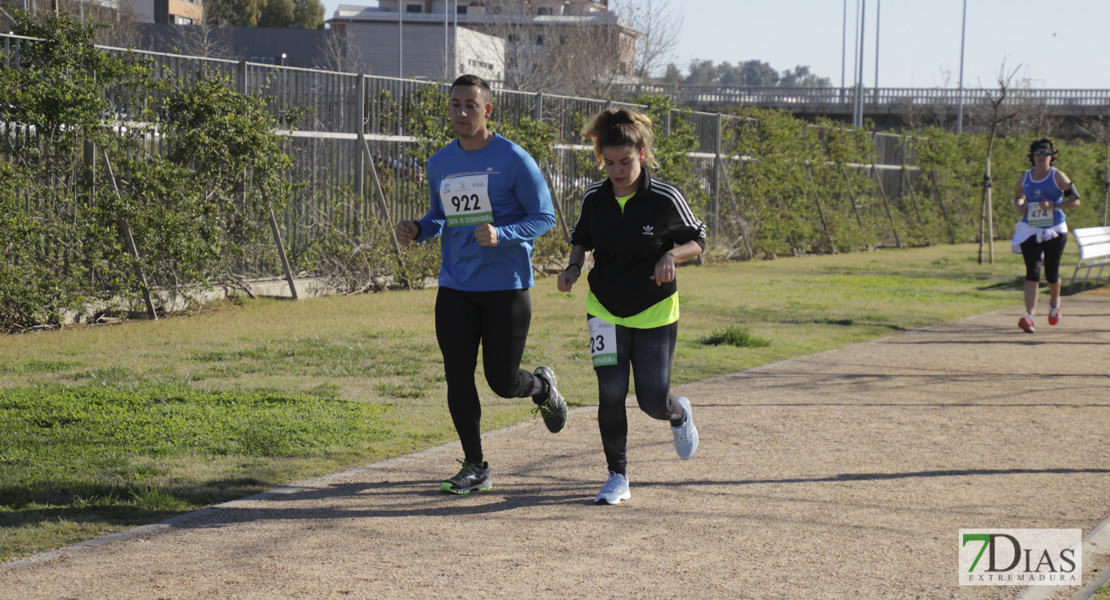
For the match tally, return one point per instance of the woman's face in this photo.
(1042, 157)
(623, 164)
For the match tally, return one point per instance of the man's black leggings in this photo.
(1053, 251)
(499, 322)
(650, 354)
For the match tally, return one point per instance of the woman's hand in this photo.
(568, 278)
(664, 269)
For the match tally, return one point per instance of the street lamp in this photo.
(857, 114)
(283, 56)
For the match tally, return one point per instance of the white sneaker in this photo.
(685, 435)
(614, 490)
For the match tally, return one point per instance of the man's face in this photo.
(469, 111)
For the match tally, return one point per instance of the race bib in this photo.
(1037, 216)
(466, 200)
(603, 342)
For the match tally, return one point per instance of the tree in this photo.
(802, 77)
(277, 13)
(754, 72)
(334, 53)
(658, 32)
(751, 72)
(303, 14)
(308, 14)
(999, 113)
(239, 13)
(673, 74)
(203, 39)
(702, 72)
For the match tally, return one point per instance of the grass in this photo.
(103, 428)
(739, 337)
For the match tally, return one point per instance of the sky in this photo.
(1061, 44)
(1051, 45)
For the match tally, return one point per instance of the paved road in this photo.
(845, 474)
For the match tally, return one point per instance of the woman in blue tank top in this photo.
(1042, 194)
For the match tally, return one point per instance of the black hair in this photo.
(1041, 143)
(474, 81)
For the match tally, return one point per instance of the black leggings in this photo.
(650, 354)
(499, 322)
(1053, 251)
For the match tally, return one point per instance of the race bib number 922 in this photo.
(466, 200)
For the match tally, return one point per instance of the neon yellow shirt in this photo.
(659, 314)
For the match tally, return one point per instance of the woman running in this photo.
(638, 228)
(1042, 195)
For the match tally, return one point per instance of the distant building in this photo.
(415, 44)
(305, 48)
(173, 12)
(441, 39)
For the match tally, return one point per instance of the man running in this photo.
(489, 202)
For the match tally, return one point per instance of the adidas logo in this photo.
(649, 230)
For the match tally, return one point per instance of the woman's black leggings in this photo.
(1053, 251)
(650, 354)
(499, 322)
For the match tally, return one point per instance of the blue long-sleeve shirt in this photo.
(460, 183)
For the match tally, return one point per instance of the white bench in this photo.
(1094, 251)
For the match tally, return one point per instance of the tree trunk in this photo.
(986, 228)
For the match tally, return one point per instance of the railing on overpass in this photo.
(784, 96)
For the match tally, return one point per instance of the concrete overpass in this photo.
(893, 107)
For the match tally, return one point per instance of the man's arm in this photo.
(534, 196)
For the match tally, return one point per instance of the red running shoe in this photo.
(1026, 323)
(1053, 314)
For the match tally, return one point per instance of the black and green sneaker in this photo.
(470, 478)
(550, 404)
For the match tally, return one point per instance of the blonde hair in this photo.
(618, 127)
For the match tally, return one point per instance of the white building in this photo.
(415, 44)
(405, 38)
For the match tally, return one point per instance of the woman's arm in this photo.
(1071, 197)
(574, 267)
(665, 268)
(1019, 196)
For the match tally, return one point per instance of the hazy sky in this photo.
(1061, 44)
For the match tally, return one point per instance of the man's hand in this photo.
(407, 231)
(486, 235)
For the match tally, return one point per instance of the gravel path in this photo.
(845, 474)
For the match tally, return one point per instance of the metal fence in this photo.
(351, 118)
(785, 95)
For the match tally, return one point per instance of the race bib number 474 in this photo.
(466, 200)
(1038, 217)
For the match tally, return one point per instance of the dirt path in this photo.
(845, 474)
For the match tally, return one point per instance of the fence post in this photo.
(715, 211)
(241, 77)
(360, 129)
(125, 232)
(381, 199)
(537, 114)
(285, 266)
